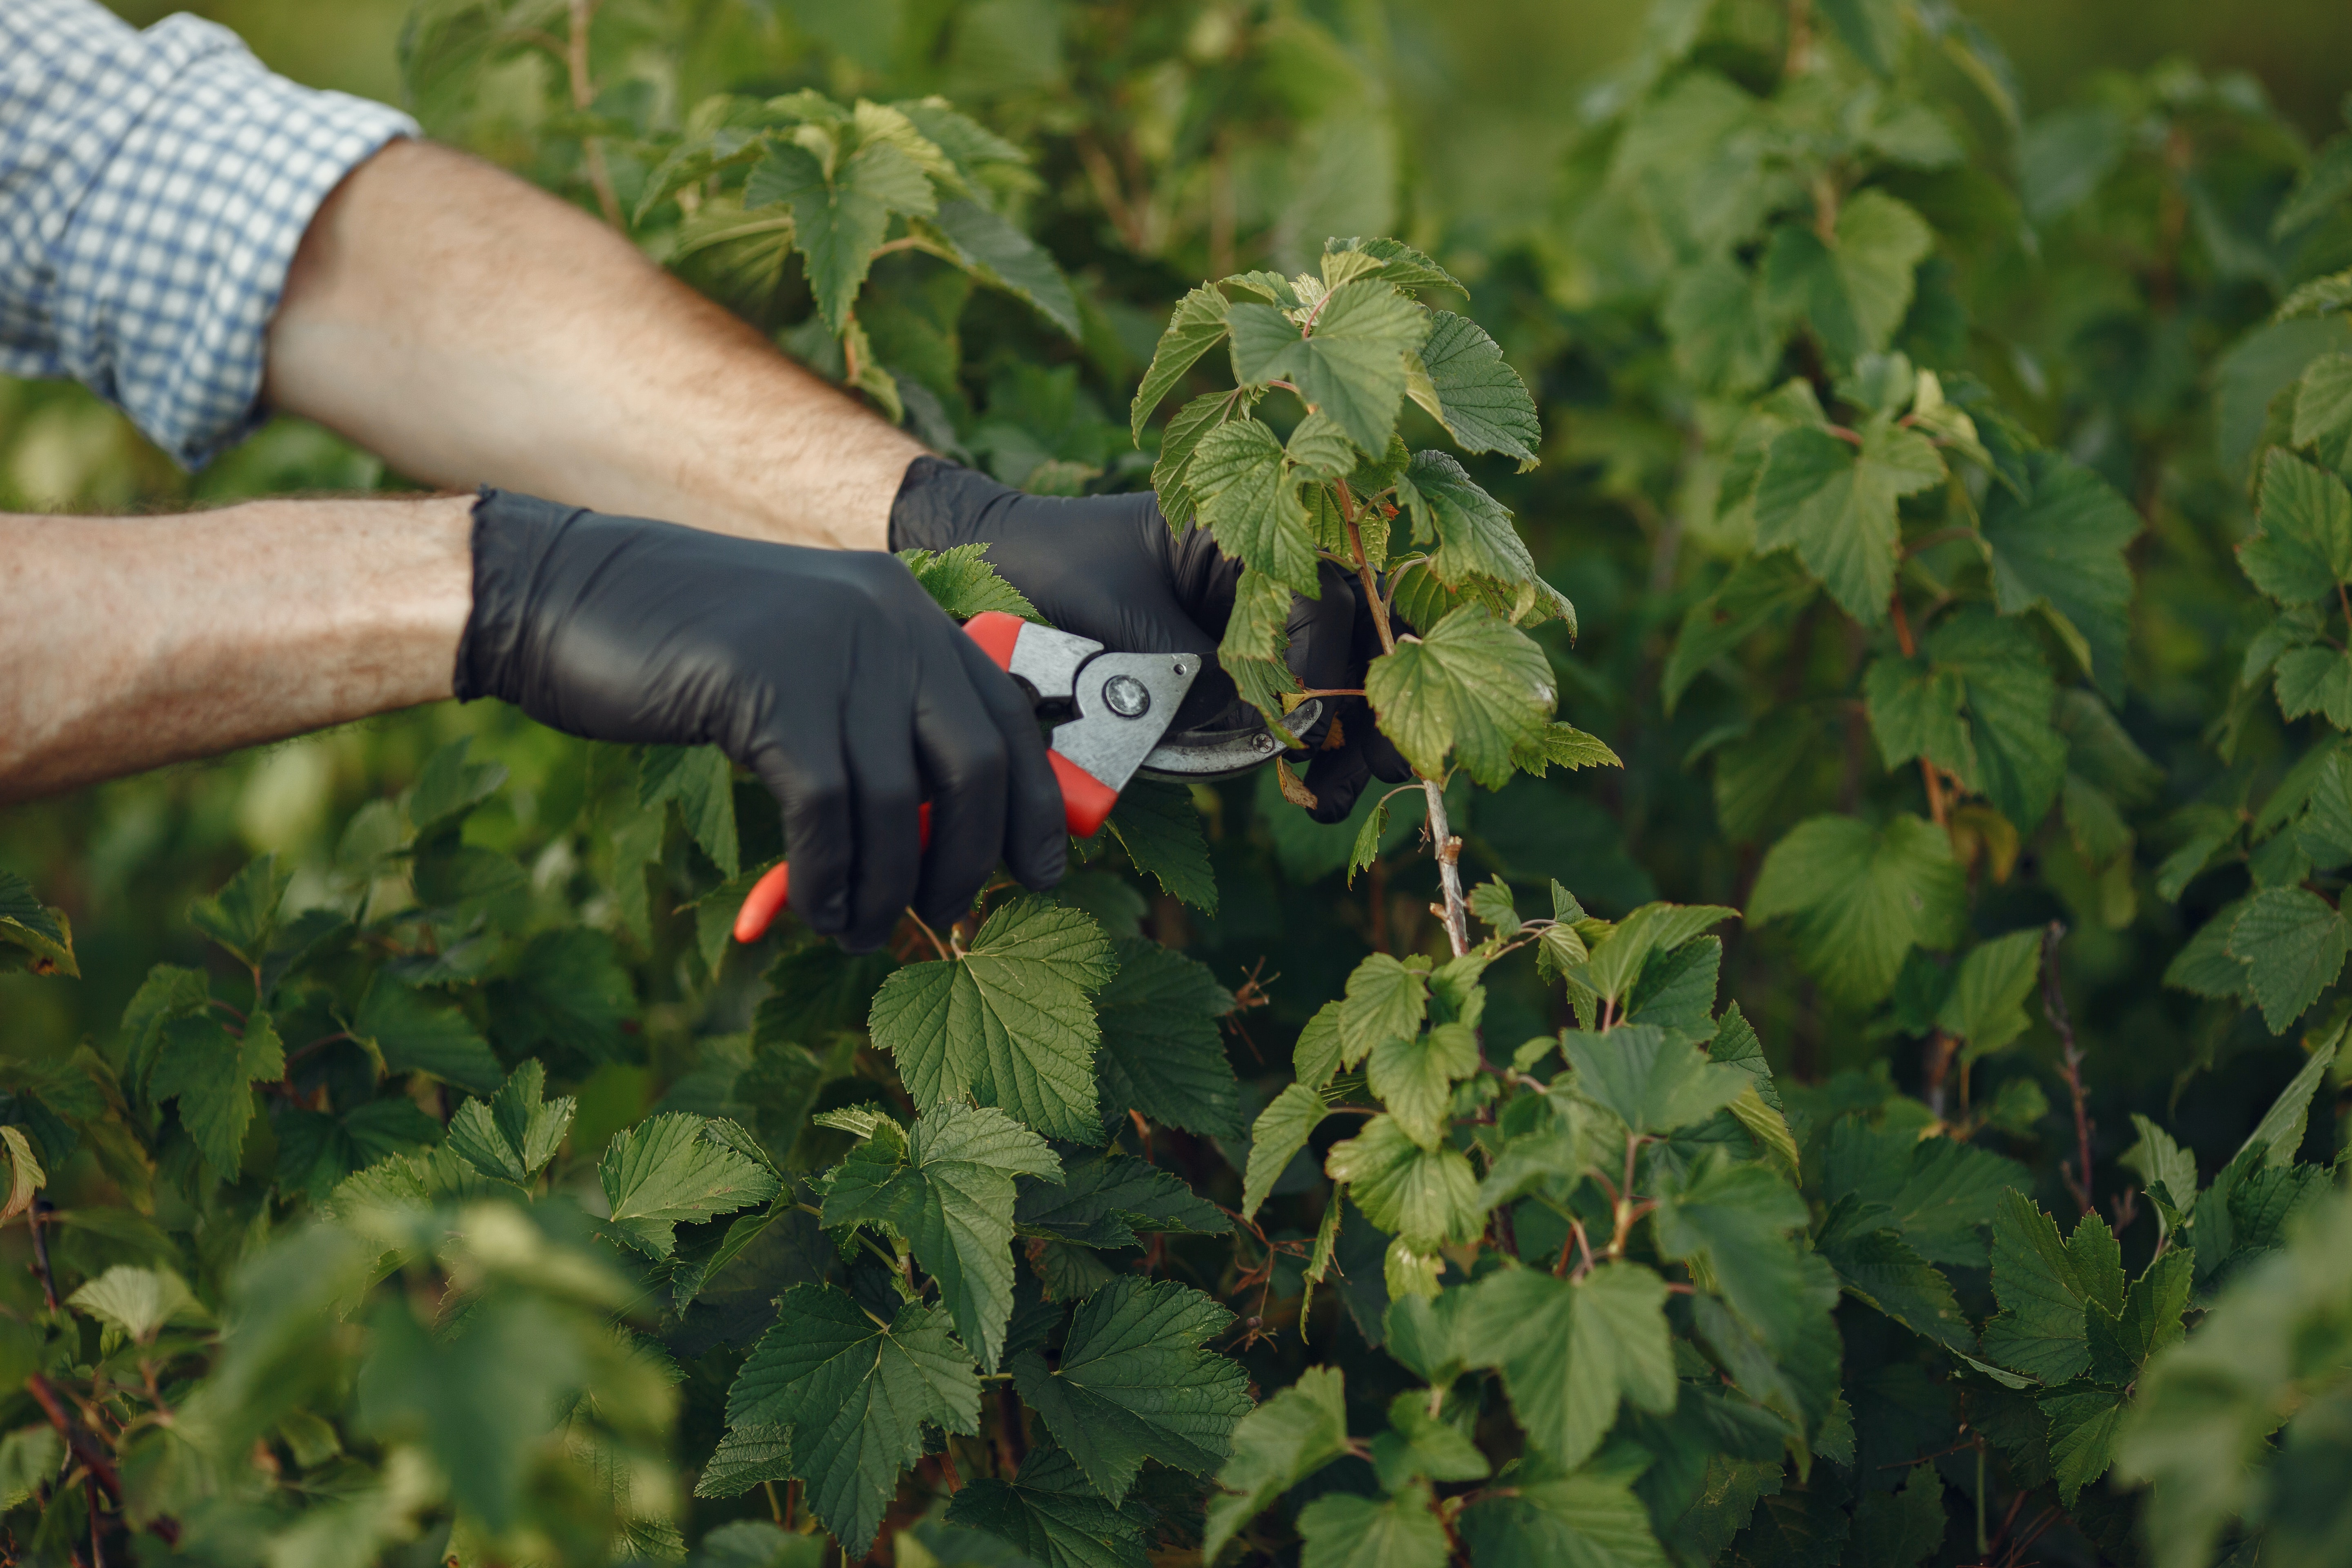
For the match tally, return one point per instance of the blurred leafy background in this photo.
(1467, 110)
(2124, 322)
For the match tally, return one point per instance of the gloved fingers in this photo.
(1336, 779)
(886, 805)
(1035, 835)
(1322, 642)
(964, 758)
(809, 776)
(1388, 764)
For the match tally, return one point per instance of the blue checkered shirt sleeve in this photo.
(154, 186)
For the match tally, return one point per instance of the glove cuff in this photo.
(941, 504)
(513, 535)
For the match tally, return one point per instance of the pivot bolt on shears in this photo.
(1109, 714)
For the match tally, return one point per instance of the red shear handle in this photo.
(1087, 800)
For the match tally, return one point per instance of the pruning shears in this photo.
(1109, 714)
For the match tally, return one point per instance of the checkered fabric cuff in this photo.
(153, 187)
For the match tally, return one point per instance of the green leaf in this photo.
(1385, 999)
(1620, 957)
(1401, 264)
(854, 1394)
(1564, 746)
(1427, 1196)
(25, 1176)
(1419, 1444)
(1160, 827)
(1161, 1051)
(1652, 1082)
(2045, 1289)
(1293, 1434)
(2293, 944)
(1569, 1351)
(1941, 1195)
(1835, 504)
(1256, 639)
(2165, 1165)
(1414, 1077)
(746, 1456)
(1474, 685)
(1011, 1024)
(1536, 1517)
(27, 925)
(1726, 330)
(1134, 1385)
(2322, 404)
(2122, 1341)
(138, 1301)
(413, 1034)
(449, 787)
(993, 250)
(1876, 1266)
(1171, 472)
(1249, 501)
(962, 583)
(2303, 549)
(1915, 711)
(1860, 898)
(211, 1072)
(1343, 1530)
(1280, 1131)
(1476, 537)
(2315, 680)
(1854, 295)
(2083, 1429)
(1053, 1514)
(702, 781)
(1901, 1529)
(947, 1189)
(1734, 1219)
(1197, 325)
(518, 1131)
(1314, 1056)
(1468, 387)
(1873, 29)
(568, 988)
(2060, 547)
(2280, 1132)
(669, 1169)
(1107, 1200)
(1490, 902)
(1319, 447)
(1986, 1006)
(1761, 589)
(243, 915)
(839, 219)
(2020, 757)
(1351, 366)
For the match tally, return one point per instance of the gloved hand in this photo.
(1106, 567)
(829, 673)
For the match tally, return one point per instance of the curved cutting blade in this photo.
(1200, 756)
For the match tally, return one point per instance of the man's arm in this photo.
(132, 642)
(469, 327)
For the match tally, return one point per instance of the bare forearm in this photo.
(133, 642)
(470, 329)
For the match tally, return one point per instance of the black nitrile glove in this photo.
(1106, 567)
(829, 673)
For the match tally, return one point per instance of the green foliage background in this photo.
(2091, 266)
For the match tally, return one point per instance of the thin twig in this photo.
(2053, 1003)
(42, 1205)
(583, 97)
